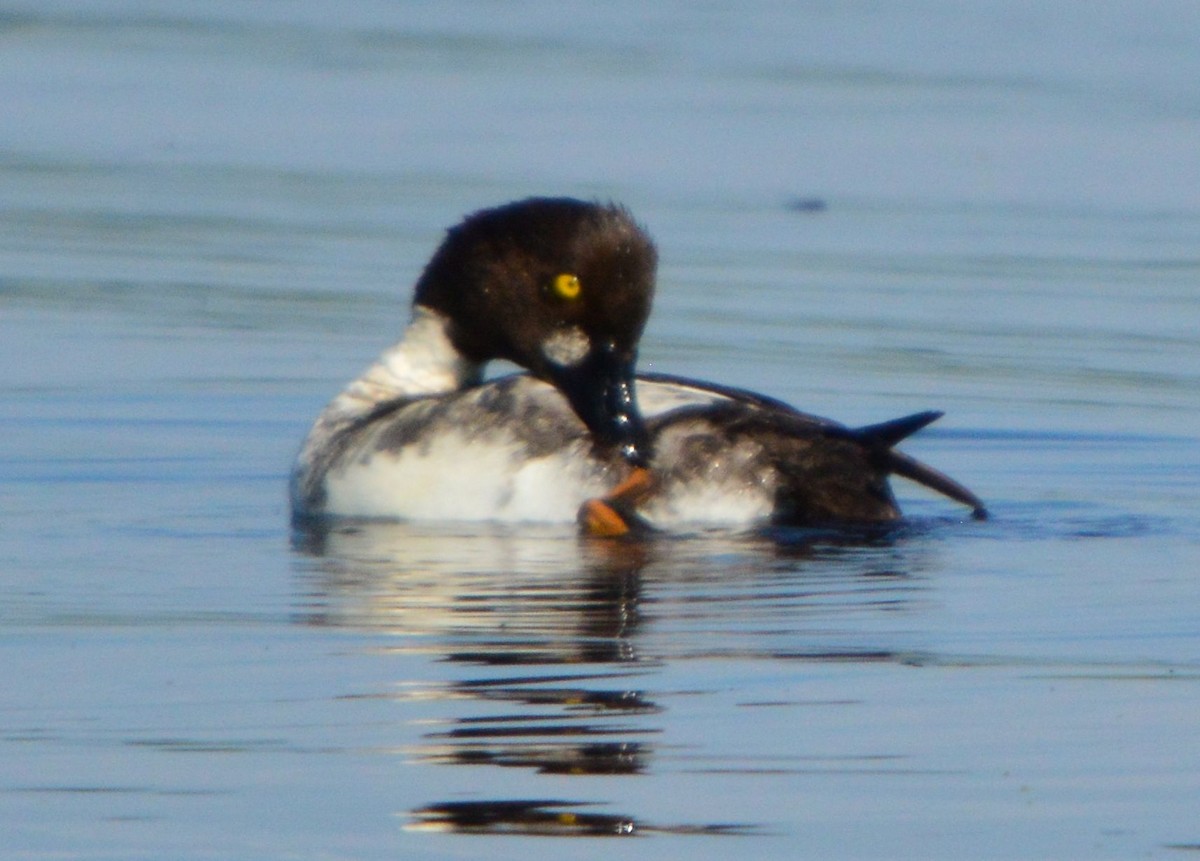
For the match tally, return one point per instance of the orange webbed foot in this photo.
(613, 516)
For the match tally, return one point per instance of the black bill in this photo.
(600, 388)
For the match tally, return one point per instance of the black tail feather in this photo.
(884, 435)
(887, 434)
(914, 470)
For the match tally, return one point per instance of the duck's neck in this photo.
(423, 362)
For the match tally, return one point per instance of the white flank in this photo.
(455, 478)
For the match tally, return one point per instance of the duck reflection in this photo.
(555, 625)
(482, 597)
(496, 599)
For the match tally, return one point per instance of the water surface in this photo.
(209, 220)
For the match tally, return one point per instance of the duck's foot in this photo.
(614, 515)
(600, 520)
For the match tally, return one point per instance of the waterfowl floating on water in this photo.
(563, 288)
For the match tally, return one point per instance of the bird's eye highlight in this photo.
(566, 286)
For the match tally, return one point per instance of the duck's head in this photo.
(561, 287)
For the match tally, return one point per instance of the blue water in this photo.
(210, 217)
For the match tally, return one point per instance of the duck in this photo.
(563, 289)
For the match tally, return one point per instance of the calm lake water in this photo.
(210, 218)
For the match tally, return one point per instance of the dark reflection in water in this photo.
(547, 818)
(567, 728)
(601, 617)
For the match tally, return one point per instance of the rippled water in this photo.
(209, 219)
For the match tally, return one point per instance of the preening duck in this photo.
(563, 288)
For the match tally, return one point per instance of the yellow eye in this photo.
(566, 286)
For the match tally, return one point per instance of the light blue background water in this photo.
(210, 216)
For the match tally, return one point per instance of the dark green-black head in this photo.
(562, 287)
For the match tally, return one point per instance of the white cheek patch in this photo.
(566, 347)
